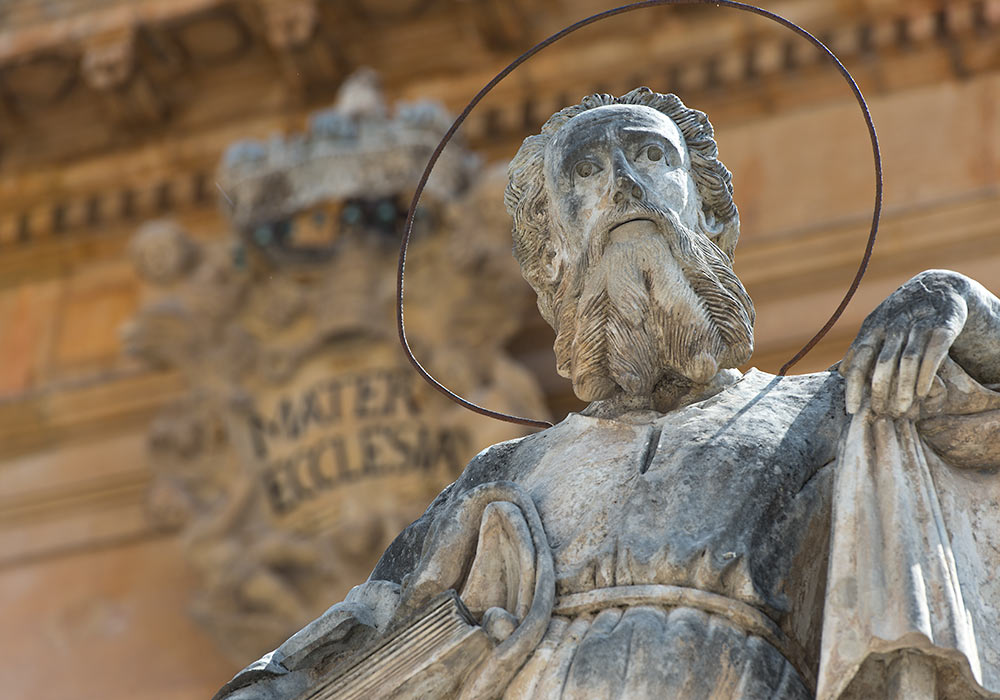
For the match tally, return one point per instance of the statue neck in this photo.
(670, 394)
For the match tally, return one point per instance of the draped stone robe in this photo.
(690, 553)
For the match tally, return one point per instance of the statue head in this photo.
(625, 226)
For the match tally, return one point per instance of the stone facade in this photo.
(83, 163)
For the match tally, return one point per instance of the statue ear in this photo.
(710, 224)
(723, 234)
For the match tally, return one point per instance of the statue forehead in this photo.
(609, 121)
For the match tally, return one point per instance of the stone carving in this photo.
(109, 66)
(110, 59)
(162, 253)
(697, 532)
(294, 30)
(305, 443)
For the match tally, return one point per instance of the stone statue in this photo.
(697, 532)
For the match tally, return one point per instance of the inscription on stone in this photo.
(345, 429)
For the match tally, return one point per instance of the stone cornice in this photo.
(27, 31)
(739, 70)
(731, 68)
(103, 405)
(689, 52)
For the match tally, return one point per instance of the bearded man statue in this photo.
(632, 260)
(697, 532)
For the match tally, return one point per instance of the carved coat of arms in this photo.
(305, 443)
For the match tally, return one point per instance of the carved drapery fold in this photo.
(911, 544)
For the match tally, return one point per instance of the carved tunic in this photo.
(729, 496)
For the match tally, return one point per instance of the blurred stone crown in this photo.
(354, 151)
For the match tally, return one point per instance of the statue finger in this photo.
(885, 371)
(937, 348)
(857, 376)
(909, 368)
(867, 338)
(851, 355)
(845, 364)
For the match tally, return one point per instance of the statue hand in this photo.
(902, 344)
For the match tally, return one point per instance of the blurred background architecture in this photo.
(162, 168)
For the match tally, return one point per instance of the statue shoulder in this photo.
(500, 462)
(817, 392)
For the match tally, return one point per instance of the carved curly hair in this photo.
(527, 202)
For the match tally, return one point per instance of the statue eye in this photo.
(585, 168)
(654, 153)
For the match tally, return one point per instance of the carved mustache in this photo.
(666, 222)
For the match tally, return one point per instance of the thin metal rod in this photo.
(408, 228)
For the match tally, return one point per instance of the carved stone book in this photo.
(426, 657)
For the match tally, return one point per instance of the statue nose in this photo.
(626, 187)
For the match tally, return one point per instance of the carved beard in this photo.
(632, 312)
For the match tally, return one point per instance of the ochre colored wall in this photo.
(95, 599)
